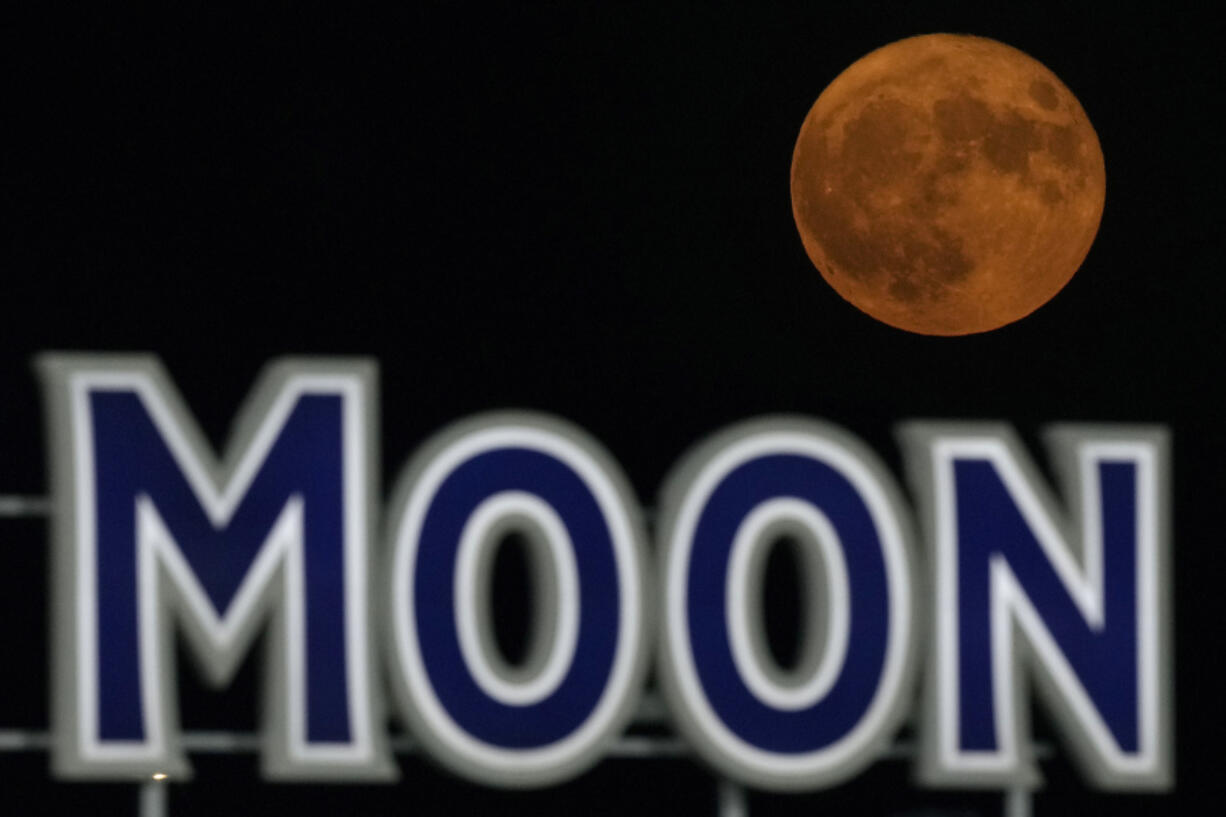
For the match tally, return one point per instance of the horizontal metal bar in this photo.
(218, 742)
(222, 742)
(18, 505)
(20, 740)
(628, 746)
(638, 746)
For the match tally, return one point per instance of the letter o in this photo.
(467, 483)
(718, 505)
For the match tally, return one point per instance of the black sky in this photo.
(583, 212)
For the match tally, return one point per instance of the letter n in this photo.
(150, 530)
(1071, 596)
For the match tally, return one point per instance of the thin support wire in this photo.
(1018, 803)
(152, 800)
(732, 800)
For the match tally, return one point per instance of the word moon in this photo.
(1065, 593)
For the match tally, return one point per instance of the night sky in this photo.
(586, 213)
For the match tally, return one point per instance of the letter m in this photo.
(150, 530)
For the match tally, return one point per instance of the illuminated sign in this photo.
(1013, 589)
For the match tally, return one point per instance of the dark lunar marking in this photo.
(875, 249)
(952, 162)
(1064, 144)
(962, 119)
(1010, 141)
(934, 196)
(1051, 192)
(875, 142)
(903, 289)
(931, 259)
(1044, 94)
(916, 260)
(919, 252)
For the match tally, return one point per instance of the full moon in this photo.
(947, 184)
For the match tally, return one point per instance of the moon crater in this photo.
(947, 184)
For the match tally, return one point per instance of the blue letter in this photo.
(722, 509)
(151, 530)
(1075, 601)
(470, 486)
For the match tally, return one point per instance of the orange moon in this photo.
(947, 184)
